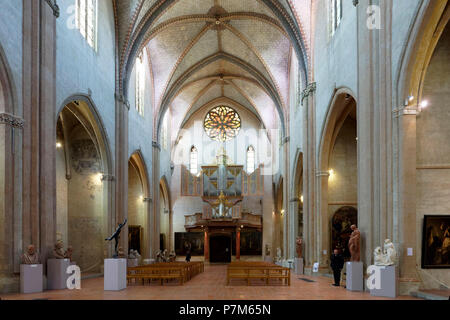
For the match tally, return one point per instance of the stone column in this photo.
(39, 139)
(156, 218)
(148, 225)
(121, 150)
(323, 221)
(309, 165)
(238, 243)
(374, 105)
(206, 245)
(10, 234)
(286, 209)
(293, 226)
(406, 223)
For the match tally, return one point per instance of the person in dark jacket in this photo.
(337, 263)
(188, 255)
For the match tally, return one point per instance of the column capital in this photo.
(405, 111)
(121, 98)
(54, 6)
(10, 120)
(295, 200)
(309, 90)
(322, 174)
(156, 145)
(149, 200)
(107, 177)
(285, 140)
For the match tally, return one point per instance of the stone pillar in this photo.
(39, 136)
(206, 245)
(10, 233)
(323, 221)
(121, 192)
(148, 226)
(156, 218)
(293, 226)
(406, 224)
(309, 165)
(238, 243)
(375, 153)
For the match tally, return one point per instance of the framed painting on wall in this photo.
(436, 242)
(135, 238)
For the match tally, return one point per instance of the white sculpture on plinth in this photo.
(388, 256)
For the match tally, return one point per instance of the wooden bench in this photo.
(181, 271)
(258, 270)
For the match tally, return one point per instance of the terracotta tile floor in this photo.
(210, 285)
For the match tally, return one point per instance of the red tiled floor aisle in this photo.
(210, 285)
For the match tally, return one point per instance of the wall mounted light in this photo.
(301, 198)
(58, 145)
(423, 104)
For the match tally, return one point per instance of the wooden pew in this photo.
(181, 271)
(258, 270)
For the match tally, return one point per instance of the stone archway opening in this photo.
(82, 218)
(339, 169)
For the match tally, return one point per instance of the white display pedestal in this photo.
(388, 282)
(56, 273)
(132, 263)
(299, 269)
(115, 274)
(355, 276)
(31, 278)
(268, 259)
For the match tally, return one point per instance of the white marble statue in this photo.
(278, 257)
(390, 252)
(388, 256)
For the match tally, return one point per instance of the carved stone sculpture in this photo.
(354, 244)
(278, 258)
(31, 256)
(378, 257)
(58, 251)
(267, 250)
(390, 252)
(299, 247)
(68, 253)
(388, 256)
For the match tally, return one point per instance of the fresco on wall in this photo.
(436, 242)
(85, 159)
(340, 229)
(193, 239)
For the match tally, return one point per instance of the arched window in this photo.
(86, 20)
(193, 163)
(140, 83)
(335, 15)
(250, 159)
(165, 131)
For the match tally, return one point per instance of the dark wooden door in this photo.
(220, 248)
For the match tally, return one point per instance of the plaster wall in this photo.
(81, 69)
(433, 152)
(342, 185)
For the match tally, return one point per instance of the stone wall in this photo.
(433, 152)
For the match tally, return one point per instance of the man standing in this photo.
(337, 263)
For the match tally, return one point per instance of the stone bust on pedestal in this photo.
(30, 257)
(58, 251)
